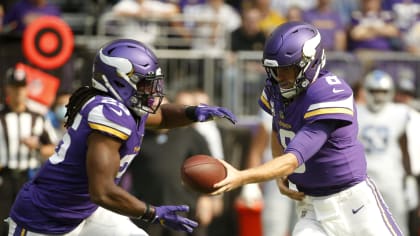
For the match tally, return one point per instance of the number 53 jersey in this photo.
(380, 133)
(340, 163)
(57, 199)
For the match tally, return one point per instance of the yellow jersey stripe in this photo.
(265, 102)
(110, 130)
(336, 110)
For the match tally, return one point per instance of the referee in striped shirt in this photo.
(26, 140)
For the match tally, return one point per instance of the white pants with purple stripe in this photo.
(359, 210)
(101, 223)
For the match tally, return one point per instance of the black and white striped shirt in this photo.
(16, 126)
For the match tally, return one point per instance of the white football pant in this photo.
(359, 210)
(102, 222)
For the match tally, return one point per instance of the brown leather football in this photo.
(201, 172)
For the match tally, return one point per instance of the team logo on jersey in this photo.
(117, 112)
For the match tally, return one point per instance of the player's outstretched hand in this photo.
(204, 112)
(233, 180)
(283, 184)
(167, 216)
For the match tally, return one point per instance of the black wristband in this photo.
(149, 213)
(190, 113)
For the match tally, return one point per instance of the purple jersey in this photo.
(57, 199)
(340, 163)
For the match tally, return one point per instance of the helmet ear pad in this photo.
(302, 82)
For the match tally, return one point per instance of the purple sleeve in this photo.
(310, 139)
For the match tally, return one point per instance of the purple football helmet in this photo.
(129, 71)
(294, 44)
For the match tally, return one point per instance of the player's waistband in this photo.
(329, 190)
(343, 194)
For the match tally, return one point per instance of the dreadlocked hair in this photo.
(77, 100)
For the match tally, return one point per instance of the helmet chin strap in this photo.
(301, 84)
(289, 93)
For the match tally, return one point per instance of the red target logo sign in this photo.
(48, 42)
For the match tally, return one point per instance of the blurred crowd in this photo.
(351, 25)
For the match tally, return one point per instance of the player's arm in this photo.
(303, 146)
(273, 169)
(175, 115)
(102, 164)
(280, 166)
(403, 142)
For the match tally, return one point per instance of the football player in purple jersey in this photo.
(315, 146)
(76, 192)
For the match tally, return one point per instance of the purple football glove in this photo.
(204, 112)
(167, 217)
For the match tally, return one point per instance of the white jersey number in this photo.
(375, 138)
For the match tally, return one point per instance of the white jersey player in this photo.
(382, 130)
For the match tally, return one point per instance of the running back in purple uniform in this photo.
(61, 188)
(315, 145)
(76, 192)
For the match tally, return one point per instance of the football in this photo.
(201, 172)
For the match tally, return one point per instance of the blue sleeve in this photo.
(310, 139)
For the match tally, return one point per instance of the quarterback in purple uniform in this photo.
(315, 142)
(76, 192)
